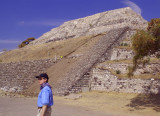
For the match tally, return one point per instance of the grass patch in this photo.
(127, 61)
(124, 47)
(118, 72)
(154, 60)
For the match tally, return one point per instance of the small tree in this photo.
(145, 43)
(26, 42)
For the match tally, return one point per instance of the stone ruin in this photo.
(114, 26)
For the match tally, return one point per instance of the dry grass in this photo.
(45, 51)
(57, 71)
(125, 47)
(154, 60)
(120, 104)
(126, 61)
(130, 61)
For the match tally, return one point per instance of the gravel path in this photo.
(27, 107)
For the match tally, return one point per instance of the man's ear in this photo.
(45, 79)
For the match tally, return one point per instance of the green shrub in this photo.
(118, 71)
(145, 43)
(154, 27)
(121, 44)
(91, 26)
(125, 44)
(26, 42)
(154, 30)
(130, 71)
(158, 55)
(145, 61)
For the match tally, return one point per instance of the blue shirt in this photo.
(45, 97)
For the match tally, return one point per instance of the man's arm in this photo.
(44, 108)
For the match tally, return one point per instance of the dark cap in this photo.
(43, 75)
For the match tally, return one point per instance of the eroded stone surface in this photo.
(95, 24)
(103, 80)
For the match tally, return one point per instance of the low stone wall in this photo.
(120, 54)
(150, 68)
(123, 67)
(103, 80)
(15, 77)
(82, 85)
(82, 65)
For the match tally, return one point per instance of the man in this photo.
(45, 97)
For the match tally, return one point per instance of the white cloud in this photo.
(43, 22)
(133, 6)
(21, 23)
(9, 41)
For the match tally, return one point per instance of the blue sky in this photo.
(21, 19)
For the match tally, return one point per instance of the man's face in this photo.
(42, 80)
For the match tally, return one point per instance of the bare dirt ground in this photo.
(90, 104)
(27, 107)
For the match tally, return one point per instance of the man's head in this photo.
(42, 78)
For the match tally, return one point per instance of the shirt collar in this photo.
(45, 84)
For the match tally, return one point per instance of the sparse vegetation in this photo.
(145, 43)
(123, 44)
(158, 55)
(91, 26)
(0, 60)
(130, 71)
(118, 71)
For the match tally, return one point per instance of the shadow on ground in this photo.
(142, 101)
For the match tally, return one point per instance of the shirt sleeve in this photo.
(45, 97)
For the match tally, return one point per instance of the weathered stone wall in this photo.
(150, 68)
(89, 58)
(95, 24)
(103, 80)
(115, 53)
(15, 77)
(122, 67)
(121, 54)
(83, 84)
